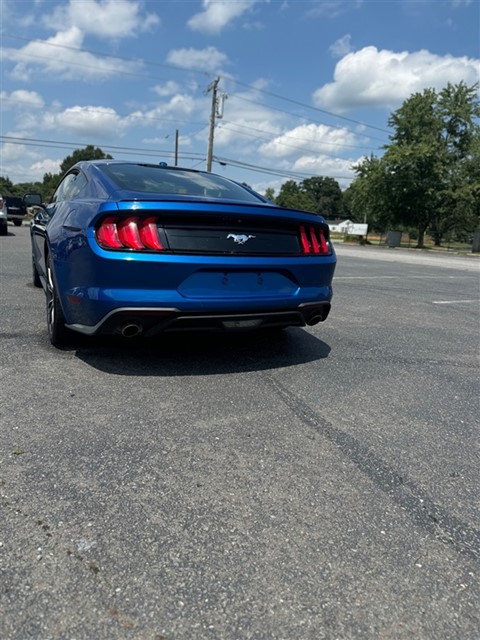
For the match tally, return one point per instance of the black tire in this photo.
(3, 230)
(57, 331)
(17, 223)
(35, 277)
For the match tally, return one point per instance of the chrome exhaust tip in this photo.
(131, 329)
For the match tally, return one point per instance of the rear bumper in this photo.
(132, 322)
(100, 293)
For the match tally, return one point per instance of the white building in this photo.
(348, 227)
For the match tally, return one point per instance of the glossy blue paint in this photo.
(93, 282)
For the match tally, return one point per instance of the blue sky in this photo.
(308, 84)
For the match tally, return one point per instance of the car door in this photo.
(43, 217)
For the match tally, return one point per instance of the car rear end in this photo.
(16, 210)
(151, 266)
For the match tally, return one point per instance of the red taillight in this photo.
(129, 233)
(304, 240)
(313, 241)
(149, 234)
(107, 235)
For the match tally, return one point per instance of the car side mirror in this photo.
(32, 199)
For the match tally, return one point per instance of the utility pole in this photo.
(176, 147)
(216, 112)
(213, 88)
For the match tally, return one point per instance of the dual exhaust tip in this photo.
(133, 329)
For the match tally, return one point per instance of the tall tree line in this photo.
(428, 178)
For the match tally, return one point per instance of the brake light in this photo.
(139, 234)
(313, 241)
(149, 234)
(107, 235)
(128, 233)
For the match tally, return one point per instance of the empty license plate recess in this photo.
(231, 284)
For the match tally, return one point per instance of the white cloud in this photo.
(10, 152)
(183, 141)
(217, 14)
(25, 163)
(61, 56)
(46, 166)
(342, 46)
(317, 138)
(374, 78)
(167, 89)
(209, 59)
(246, 122)
(102, 18)
(332, 8)
(18, 161)
(21, 98)
(179, 107)
(98, 122)
(337, 168)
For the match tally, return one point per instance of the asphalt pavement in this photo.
(321, 483)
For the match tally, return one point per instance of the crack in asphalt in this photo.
(424, 512)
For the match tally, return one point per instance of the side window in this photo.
(70, 186)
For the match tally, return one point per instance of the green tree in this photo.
(51, 180)
(6, 186)
(432, 159)
(326, 195)
(415, 161)
(458, 210)
(88, 153)
(270, 194)
(293, 197)
(428, 177)
(368, 196)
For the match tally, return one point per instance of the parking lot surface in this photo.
(314, 483)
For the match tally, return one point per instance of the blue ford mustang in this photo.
(136, 249)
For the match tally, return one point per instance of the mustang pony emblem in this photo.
(239, 238)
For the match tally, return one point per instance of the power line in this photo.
(196, 71)
(69, 145)
(102, 110)
(197, 158)
(303, 117)
(268, 170)
(287, 135)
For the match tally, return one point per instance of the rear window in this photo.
(164, 180)
(14, 202)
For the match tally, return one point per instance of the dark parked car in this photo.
(3, 217)
(16, 209)
(137, 249)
